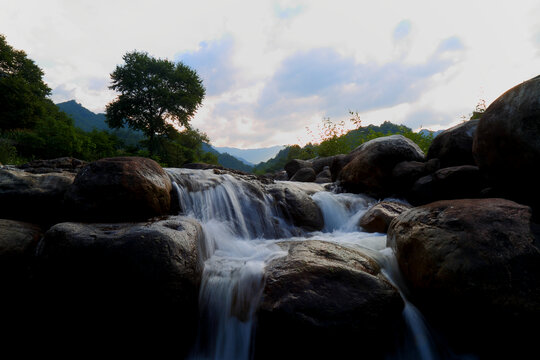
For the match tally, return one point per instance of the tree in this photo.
(154, 93)
(22, 90)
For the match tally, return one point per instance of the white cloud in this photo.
(273, 67)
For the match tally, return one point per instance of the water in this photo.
(241, 225)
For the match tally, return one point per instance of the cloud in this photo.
(327, 81)
(287, 12)
(402, 30)
(213, 62)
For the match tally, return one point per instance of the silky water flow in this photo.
(241, 224)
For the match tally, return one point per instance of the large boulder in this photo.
(127, 286)
(406, 173)
(304, 175)
(378, 217)
(338, 163)
(294, 165)
(37, 198)
(297, 205)
(324, 300)
(120, 189)
(53, 165)
(453, 147)
(18, 242)
(324, 176)
(507, 143)
(472, 264)
(370, 170)
(456, 182)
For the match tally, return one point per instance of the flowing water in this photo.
(241, 224)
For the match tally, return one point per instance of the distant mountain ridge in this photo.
(84, 119)
(252, 156)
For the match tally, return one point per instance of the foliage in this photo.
(154, 94)
(22, 90)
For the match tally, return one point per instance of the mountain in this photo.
(227, 160)
(86, 120)
(252, 156)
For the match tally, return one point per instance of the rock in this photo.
(406, 173)
(453, 147)
(36, 198)
(320, 163)
(378, 217)
(18, 242)
(202, 166)
(281, 176)
(324, 299)
(474, 262)
(370, 170)
(324, 176)
(456, 182)
(304, 175)
(120, 189)
(53, 165)
(297, 205)
(507, 147)
(337, 164)
(294, 165)
(130, 287)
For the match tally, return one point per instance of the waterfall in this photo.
(240, 223)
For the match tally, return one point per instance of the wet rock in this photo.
(297, 205)
(304, 175)
(507, 147)
(473, 262)
(324, 176)
(120, 287)
(294, 165)
(378, 217)
(453, 147)
(320, 294)
(202, 166)
(120, 189)
(36, 198)
(370, 170)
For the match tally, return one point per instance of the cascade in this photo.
(241, 224)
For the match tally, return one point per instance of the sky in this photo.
(273, 68)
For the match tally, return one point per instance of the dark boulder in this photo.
(324, 176)
(18, 242)
(294, 165)
(281, 176)
(304, 175)
(320, 163)
(473, 267)
(378, 217)
(324, 300)
(120, 189)
(507, 143)
(53, 165)
(120, 287)
(36, 198)
(453, 147)
(338, 163)
(297, 205)
(370, 170)
(406, 173)
(457, 182)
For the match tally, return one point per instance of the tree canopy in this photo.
(22, 89)
(154, 95)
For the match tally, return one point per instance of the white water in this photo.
(241, 225)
